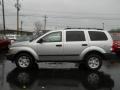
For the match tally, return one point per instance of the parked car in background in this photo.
(116, 43)
(4, 42)
(116, 46)
(12, 38)
(22, 38)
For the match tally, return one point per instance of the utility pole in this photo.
(45, 21)
(21, 26)
(3, 11)
(18, 6)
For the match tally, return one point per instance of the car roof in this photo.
(85, 28)
(80, 30)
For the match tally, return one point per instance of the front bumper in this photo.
(112, 56)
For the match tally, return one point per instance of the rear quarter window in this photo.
(97, 36)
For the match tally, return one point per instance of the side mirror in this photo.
(40, 41)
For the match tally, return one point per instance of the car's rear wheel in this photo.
(24, 60)
(93, 61)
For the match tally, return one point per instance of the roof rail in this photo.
(85, 28)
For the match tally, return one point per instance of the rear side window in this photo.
(97, 36)
(75, 36)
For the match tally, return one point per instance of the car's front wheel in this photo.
(24, 60)
(93, 61)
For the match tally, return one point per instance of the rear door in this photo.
(75, 43)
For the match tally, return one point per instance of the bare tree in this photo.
(38, 27)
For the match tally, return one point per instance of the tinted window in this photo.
(75, 36)
(97, 36)
(53, 37)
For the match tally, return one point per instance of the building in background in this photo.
(13, 32)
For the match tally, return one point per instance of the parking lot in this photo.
(61, 76)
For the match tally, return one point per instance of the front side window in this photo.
(53, 37)
(75, 36)
(97, 36)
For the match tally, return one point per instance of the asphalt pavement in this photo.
(59, 76)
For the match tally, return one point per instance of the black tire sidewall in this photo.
(93, 55)
(24, 54)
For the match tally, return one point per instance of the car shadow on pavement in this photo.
(62, 79)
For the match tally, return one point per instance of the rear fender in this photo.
(90, 49)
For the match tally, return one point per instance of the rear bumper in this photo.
(112, 56)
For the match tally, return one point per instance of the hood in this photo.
(18, 44)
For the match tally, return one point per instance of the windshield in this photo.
(3, 37)
(35, 36)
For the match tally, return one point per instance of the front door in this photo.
(51, 48)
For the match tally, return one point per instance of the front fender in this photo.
(15, 50)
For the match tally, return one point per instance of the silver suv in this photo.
(71, 45)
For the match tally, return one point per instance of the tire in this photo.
(24, 60)
(93, 61)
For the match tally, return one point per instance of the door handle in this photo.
(84, 44)
(59, 45)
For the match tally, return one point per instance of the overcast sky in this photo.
(63, 13)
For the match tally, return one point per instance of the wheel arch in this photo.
(92, 49)
(94, 52)
(31, 54)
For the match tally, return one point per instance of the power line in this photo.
(70, 17)
(76, 13)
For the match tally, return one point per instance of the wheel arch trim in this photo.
(92, 49)
(28, 50)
